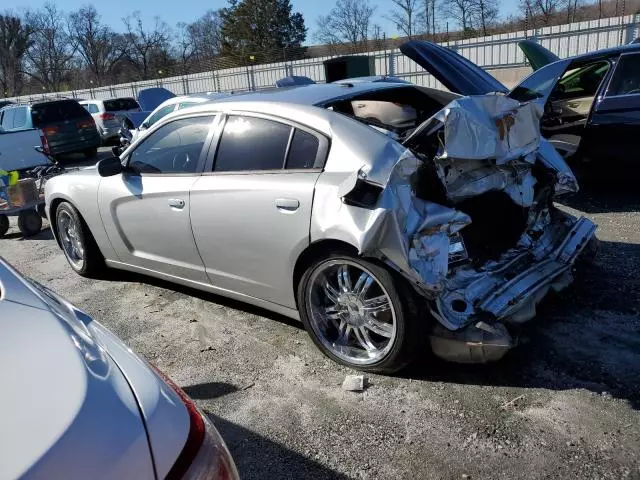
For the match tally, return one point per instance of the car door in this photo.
(614, 127)
(251, 213)
(145, 210)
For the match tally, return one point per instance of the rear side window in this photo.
(626, 80)
(92, 108)
(7, 118)
(53, 112)
(20, 117)
(303, 150)
(120, 104)
(249, 143)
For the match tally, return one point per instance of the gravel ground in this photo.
(564, 404)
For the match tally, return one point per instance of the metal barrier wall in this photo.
(491, 52)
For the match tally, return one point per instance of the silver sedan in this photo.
(366, 231)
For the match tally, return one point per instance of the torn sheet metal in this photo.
(490, 127)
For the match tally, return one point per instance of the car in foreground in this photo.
(79, 404)
(108, 114)
(592, 111)
(68, 128)
(383, 239)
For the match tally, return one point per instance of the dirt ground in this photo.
(564, 404)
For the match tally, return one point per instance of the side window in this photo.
(581, 82)
(7, 119)
(303, 150)
(20, 118)
(186, 104)
(173, 148)
(93, 108)
(540, 83)
(249, 143)
(161, 113)
(626, 79)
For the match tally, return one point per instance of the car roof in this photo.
(316, 94)
(606, 53)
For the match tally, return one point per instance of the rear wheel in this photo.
(90, 153)
(354, 313)
(29, 222)
(4, 225)
(77, 243)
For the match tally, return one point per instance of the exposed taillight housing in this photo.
(87, 123)
(44, 143)
(48, 131)
(204, 455)
(107, 116)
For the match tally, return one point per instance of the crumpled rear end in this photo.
(467, 217)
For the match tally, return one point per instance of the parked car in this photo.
(136, 124)
(108, 115)
(67, 126)
(106, 412)
(373, 237)
(592, 106)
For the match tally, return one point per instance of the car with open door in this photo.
(383, 236)
(592, 101)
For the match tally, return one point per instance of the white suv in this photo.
(108, 114)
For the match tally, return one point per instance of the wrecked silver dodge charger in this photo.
(387, 217)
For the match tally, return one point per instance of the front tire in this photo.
(77, 242)
(358, 314)
(29, 222)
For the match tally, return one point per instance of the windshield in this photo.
(120, 104)
(540, 83)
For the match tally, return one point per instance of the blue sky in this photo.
(174, 11)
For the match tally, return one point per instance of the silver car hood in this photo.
(64, 400)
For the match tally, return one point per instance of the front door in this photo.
(251, 214)
(614, 128)
(146, 209)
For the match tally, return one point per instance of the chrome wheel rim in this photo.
(69, 232)
(354, 320)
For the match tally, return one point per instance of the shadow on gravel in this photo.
(210, 390)
(603, 191)
(257, 457)
(122, 276)
(44, 234)
(587, 337)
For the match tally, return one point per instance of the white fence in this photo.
(492, 52)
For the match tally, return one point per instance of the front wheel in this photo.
(353, 312)
(77, 243)
(90, 153)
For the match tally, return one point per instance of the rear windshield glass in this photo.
(52, 112)
(118, 104)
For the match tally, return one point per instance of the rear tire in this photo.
(383, 325)
(78, 244)
(29, 223)
(4, 225)
(90, 153)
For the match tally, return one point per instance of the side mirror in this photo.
(109, 167)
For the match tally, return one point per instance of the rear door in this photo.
(614, 128)
(145, 210)
(251, 213)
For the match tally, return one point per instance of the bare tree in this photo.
(100, 47)
(185, 47)
(428, 16)
(146, 47)
(546, 9)
(15, 40)
(485, 13)
(405, 16)
(49, 59)
(348, 22)
(206, 35)
(463, 12)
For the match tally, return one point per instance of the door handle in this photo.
(287, 204)
(176, 203)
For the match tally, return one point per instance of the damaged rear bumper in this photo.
(478, 306)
